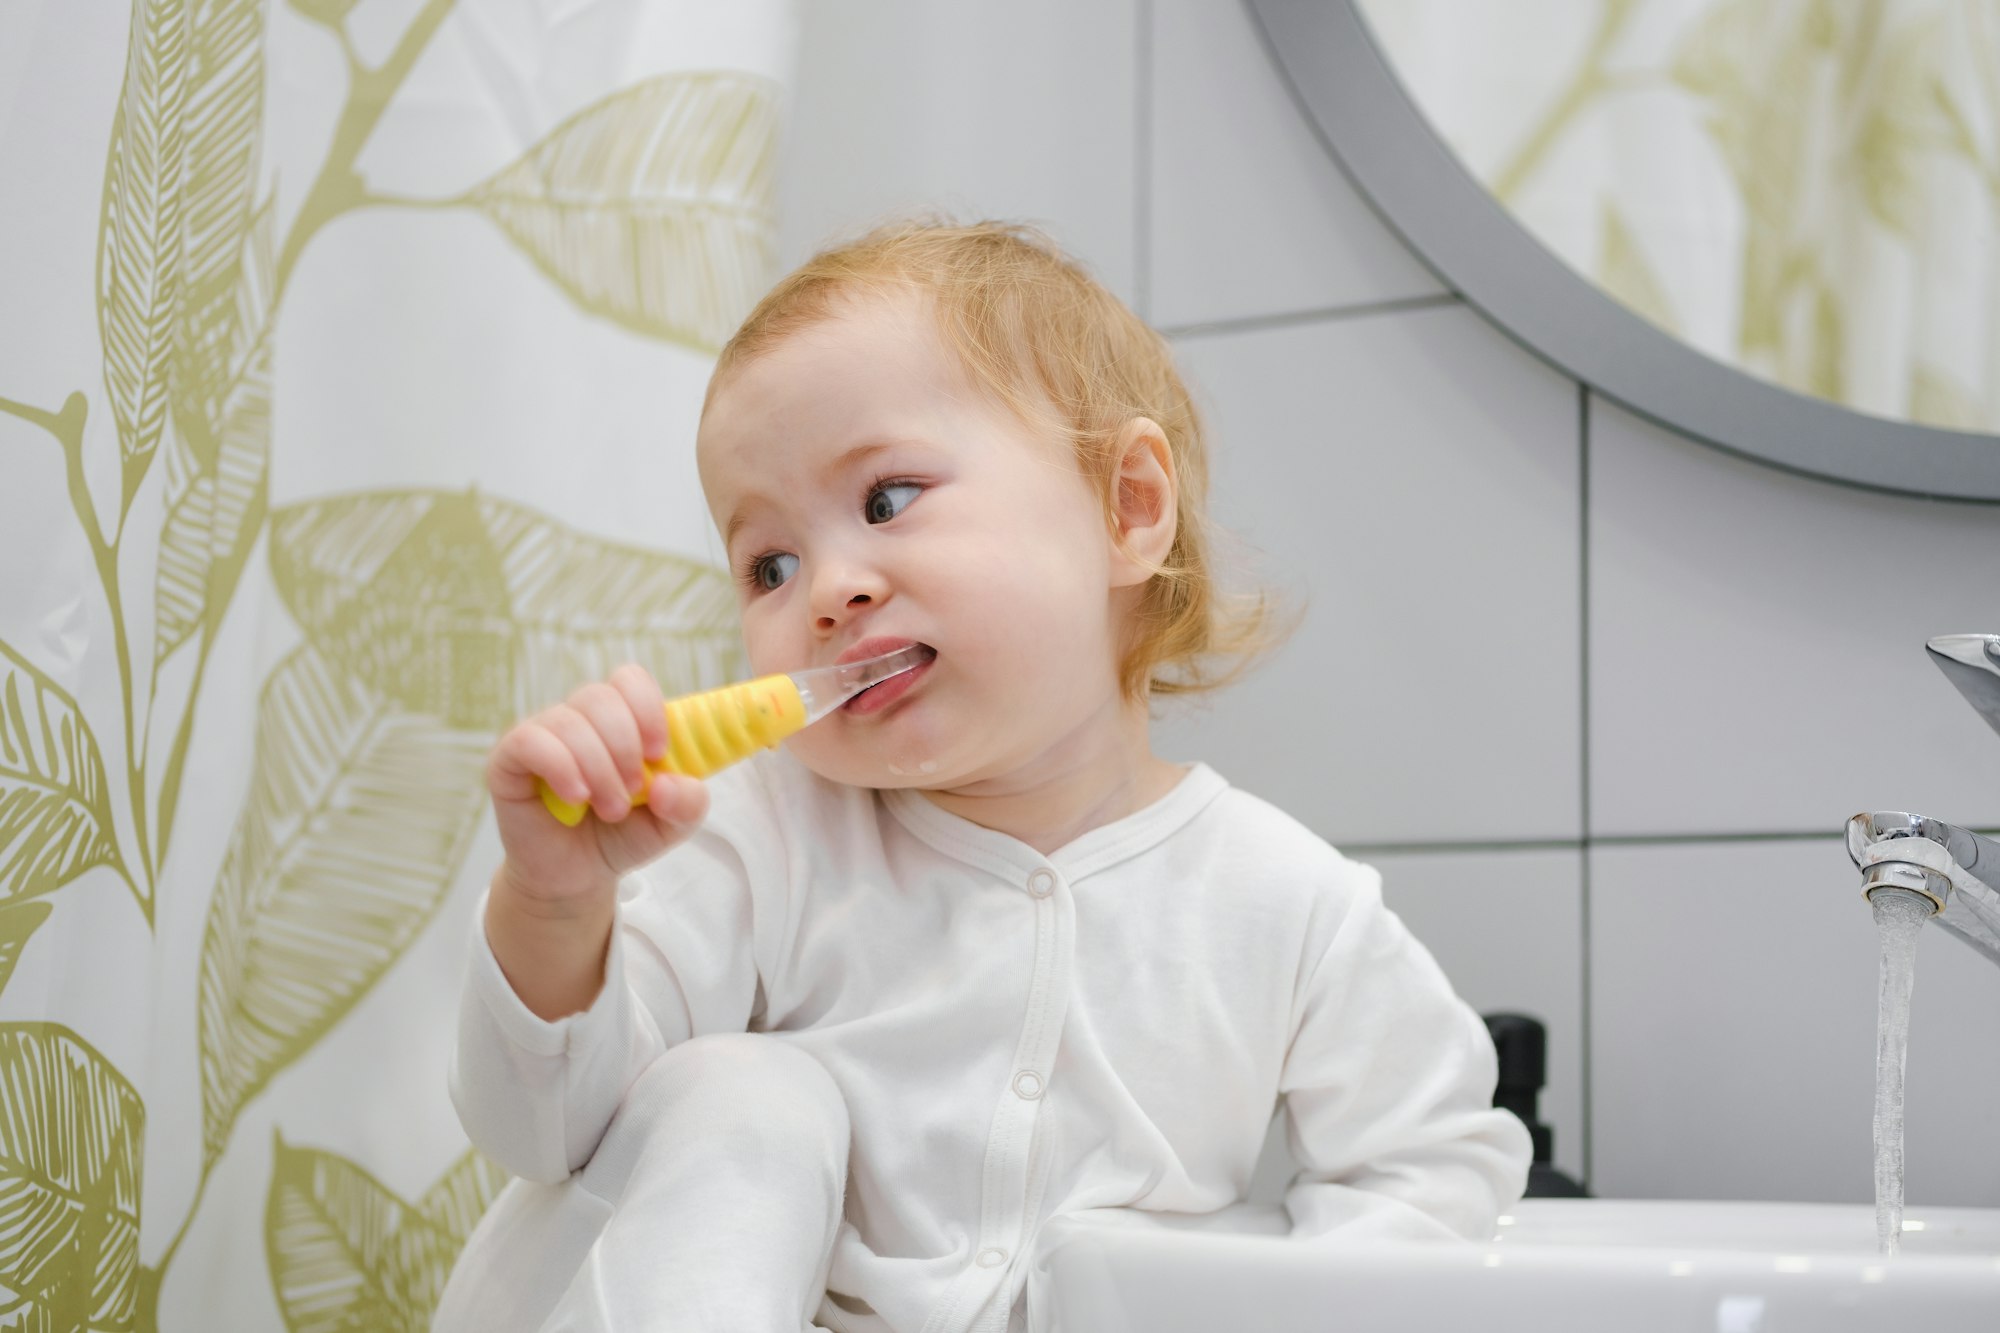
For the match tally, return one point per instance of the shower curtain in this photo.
(350, 354)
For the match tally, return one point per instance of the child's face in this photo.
(867, 489)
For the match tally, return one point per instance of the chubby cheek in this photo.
(769, 643)
(1031, 673)
(1037, 605)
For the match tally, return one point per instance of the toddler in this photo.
(826, 1041)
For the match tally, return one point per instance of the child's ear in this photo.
(1144, 495)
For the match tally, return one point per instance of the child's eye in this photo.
(878, 506)
(769, 572)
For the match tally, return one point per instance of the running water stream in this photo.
(1899, 917)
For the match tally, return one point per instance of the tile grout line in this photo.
(1317, 315)
(1142, 160)
(1585, 1130)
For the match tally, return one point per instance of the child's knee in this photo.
(747, 1088)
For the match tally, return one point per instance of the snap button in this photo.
(992, 1258)
(1028, 1085)
(1042, 883)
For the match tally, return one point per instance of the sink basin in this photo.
(1635, 1266)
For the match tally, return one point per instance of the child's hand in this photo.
(591, 750)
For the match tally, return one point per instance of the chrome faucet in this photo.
(1956, 869)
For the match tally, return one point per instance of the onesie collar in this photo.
(1085, 854)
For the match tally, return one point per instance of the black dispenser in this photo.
(1521, 1043)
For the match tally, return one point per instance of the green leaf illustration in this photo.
(1622, 270)
(1759, 69)
(403, 590)
(220, 370)
(1821, 111)
(358, 817)
(217, 467)
(1574, 95)
(55, 812)
(1967, 99)
(139, 233)
(213, 517)
(72, 1133)
(333, 13)
(217, 486)
(481, 611)
(214, 324)
(1756, 67)
(18, 920)
(341, 1247)
(1902, 117)
(347, 1256)
(653, 207)
(585, 605)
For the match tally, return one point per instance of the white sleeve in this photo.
(536, 1096)
(1388, 1090)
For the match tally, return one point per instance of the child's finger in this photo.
(649, 708)
(528, 752)
(610, 794)
(612, 718)
(676, 799)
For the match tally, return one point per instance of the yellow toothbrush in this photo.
(715, 728)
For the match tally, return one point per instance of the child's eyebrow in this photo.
(841, 464)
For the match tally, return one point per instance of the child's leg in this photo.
(711, 1204)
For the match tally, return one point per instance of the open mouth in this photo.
(877, 697)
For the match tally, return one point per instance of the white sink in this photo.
(1622, 1266)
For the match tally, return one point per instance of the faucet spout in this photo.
(1957, 869)
(1972, 663)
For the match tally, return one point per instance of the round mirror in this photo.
(1768, 224)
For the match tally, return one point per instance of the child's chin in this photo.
(924, 773)
(838, 764)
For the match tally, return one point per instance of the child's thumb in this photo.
(677, 800)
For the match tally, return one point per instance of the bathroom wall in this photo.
(1595, 698)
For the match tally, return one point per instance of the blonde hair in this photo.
(1029, 323)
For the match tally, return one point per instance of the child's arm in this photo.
(549, 911)
(549, 1037)
(1388, 1090)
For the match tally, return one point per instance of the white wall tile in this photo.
(1250, 215)
(1757, 644)
(1733, 1032)
(1413, 476)
(1026, 113)
(1507, 927)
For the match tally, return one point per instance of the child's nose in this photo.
(854, 604)
(842, 592)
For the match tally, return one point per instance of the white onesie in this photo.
(1019, 1036)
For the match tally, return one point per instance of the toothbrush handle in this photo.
(712, 730)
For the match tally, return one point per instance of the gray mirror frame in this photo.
(1383, 144)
